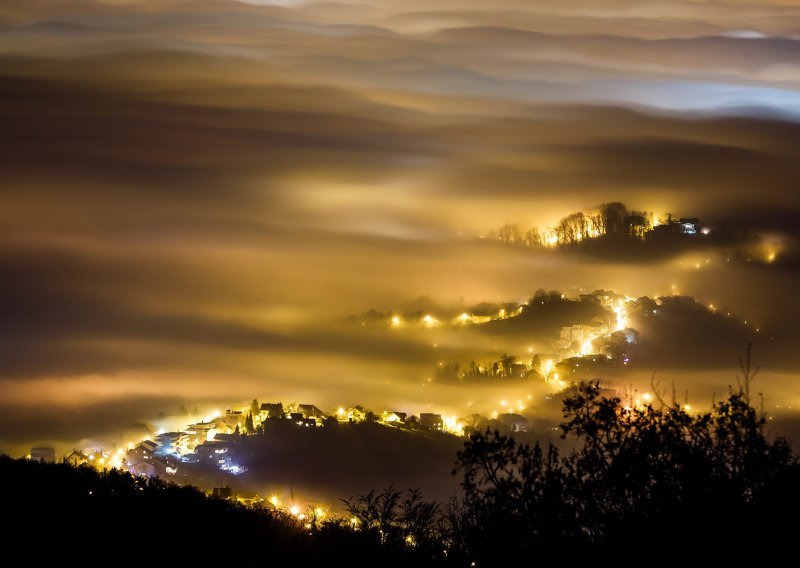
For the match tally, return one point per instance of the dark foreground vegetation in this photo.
(56, 511)
(650, 479)
(646, 480)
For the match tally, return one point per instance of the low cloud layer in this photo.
(196, 193)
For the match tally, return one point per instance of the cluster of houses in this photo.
(603, 334)
(605, 337)
(212, 441)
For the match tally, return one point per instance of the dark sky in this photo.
(195, 192)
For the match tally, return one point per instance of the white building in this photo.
(43, 454)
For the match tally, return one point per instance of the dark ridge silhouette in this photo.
(544, 316)
(611, 230)
(680, 332)
(345, 459)
(57, 511)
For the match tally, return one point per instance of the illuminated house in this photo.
(43, 454)
(153, 467)
(310, 411)
(76, 458)
(219, 454)
(689, 226)
(172, 443)
(214, 451)
(199, 433)
(144, 451)
(430, 421)
(395, 417)
(356, 414)
(573, 333)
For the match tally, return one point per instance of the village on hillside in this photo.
(219, 441)
(213, 441)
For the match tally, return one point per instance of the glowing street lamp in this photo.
(428, 320)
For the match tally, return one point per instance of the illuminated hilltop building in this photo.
(673, 228)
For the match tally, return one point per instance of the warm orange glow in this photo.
(249, 214)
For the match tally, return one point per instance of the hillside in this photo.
(59, 511)
(348, 459)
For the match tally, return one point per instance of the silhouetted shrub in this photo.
(638, 478)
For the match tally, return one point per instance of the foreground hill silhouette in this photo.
(637, 480)
(56, 511)
(346, 459)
